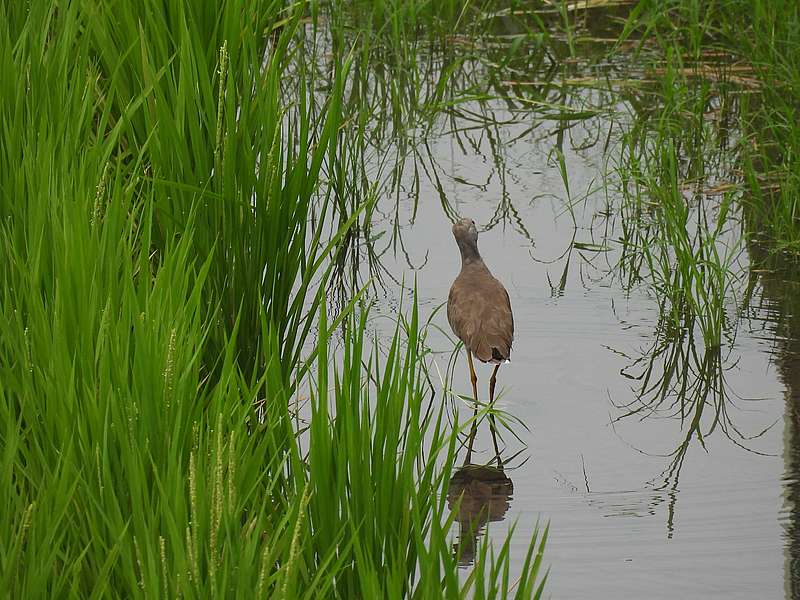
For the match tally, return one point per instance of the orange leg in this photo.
(474, 380)
(493, 425)
(473, 431)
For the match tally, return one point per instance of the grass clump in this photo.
(707, 174)
(753, 49)
(168, 227)
(707, 160)
(679, 244)
(678, 219)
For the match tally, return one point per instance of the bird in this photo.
(479, 312)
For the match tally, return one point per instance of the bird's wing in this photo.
(496, 330)
(458, 311)
(479, 312)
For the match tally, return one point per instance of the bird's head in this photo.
(464, 230)
(466, 235)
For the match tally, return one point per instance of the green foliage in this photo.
(169, 221)
(711, 152)
(677, 240)
(762, 39)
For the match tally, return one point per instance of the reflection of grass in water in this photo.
(159, 258)
(677, 378)
(424, 69)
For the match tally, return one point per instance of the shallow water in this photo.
(638, 506)
(644, 499)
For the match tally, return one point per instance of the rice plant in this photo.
(169, 225)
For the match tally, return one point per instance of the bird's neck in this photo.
(469, 253)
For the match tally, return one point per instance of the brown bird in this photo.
(479, 311)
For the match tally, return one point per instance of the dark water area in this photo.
(781, 294)
(663, 468)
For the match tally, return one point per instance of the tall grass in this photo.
(168, 226)
(707, 168)
(686, 164)
(220, 140)
(678, 243)
(759, 43)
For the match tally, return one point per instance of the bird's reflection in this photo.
(478, 494)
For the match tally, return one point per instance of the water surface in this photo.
(643, 498)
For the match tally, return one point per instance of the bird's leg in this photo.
(492, 383)
(474, 380)
(470, 442)
(493, 425)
